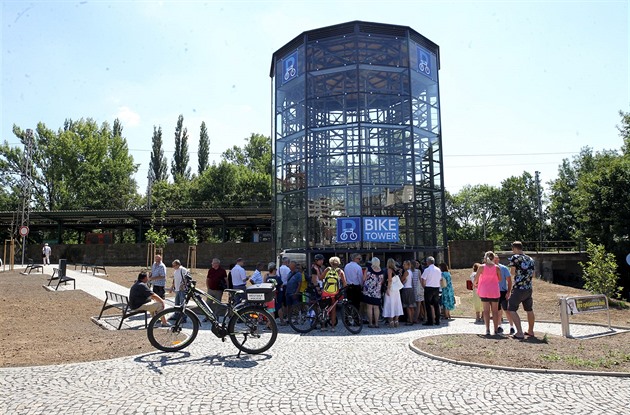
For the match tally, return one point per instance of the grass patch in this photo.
(551, 357)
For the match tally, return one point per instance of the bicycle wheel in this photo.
(179, 335)
(254, 331)
(352, 319)
(303, 317)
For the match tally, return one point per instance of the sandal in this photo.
(391, 324)
(395, 324)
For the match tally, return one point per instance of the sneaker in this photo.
(165, 325)
(512, 331)
(500, 330)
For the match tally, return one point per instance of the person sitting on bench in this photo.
(142, 298)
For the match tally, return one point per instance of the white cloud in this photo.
(128, 116)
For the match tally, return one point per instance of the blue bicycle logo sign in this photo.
(348, 229)
(424, 61)
(290, 67)
(348, 233)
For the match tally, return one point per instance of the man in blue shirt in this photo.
(158, 277)
(505, 286)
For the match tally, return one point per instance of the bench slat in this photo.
(121, 302)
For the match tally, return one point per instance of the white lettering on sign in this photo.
(380, 229)
(390, 236)
(380, 224)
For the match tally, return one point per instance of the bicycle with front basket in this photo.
(250, 327)
(308, 315)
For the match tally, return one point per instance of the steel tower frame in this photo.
(356, 132)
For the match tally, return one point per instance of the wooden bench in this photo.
(65, 279)
(121, 302)
(99, 268)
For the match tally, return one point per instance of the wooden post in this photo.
(11, 256)
(191, 262)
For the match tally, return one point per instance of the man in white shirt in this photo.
(46, 254)
(430, 279)
(239, 277)
(179, 286)
(354, 280)
(284, 271)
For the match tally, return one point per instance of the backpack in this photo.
(303, 283)
(331, 282)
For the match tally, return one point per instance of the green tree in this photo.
(204, 149)
(562, 207)
(179, 164)
(474, 212)
(600, 272)
(519, 208)
(83, 165)
(158, 167)
(157, 235)
(165, 195)
(601, 200)
(256, 154)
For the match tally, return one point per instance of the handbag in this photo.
(396, 283)
(469, 285)
(443, 282)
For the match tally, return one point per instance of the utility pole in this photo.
(26, 189)
(540, 211)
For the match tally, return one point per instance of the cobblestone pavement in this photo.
(319, 373)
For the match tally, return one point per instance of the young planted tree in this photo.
(204, 149)
(179, 164)
(600, 272)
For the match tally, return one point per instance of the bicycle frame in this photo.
(198, 296)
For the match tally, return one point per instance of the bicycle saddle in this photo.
(233, 291)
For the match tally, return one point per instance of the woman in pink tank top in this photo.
(487, 286)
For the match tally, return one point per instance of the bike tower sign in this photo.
(367, 229)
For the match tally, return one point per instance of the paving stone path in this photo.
(318, 373)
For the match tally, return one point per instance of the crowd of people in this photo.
(410, 292)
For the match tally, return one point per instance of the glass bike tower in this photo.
(356, 132)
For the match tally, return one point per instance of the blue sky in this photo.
(523, 84)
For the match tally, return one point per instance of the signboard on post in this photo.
(589, 304)
(23, 231)
(575, 305)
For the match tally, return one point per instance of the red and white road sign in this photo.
(23, 230)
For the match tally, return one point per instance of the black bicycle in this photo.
(250, 327)
(308, 315)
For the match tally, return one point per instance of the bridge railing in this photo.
(544, 246)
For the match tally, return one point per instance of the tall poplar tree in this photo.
(158, 168)
(204, 149)
(179, 164)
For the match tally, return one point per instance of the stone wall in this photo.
(463, 254)
(136, 254)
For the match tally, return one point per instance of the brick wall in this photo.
(136, 254)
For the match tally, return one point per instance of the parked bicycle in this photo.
(250, 327)
(312, 313)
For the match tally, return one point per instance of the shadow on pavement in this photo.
(157, 360)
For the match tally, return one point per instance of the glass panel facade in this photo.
(357, 133)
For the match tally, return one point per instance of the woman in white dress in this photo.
(392, 306)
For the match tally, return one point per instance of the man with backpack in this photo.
(334, 279)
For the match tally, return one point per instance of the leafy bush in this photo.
(600, 272)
